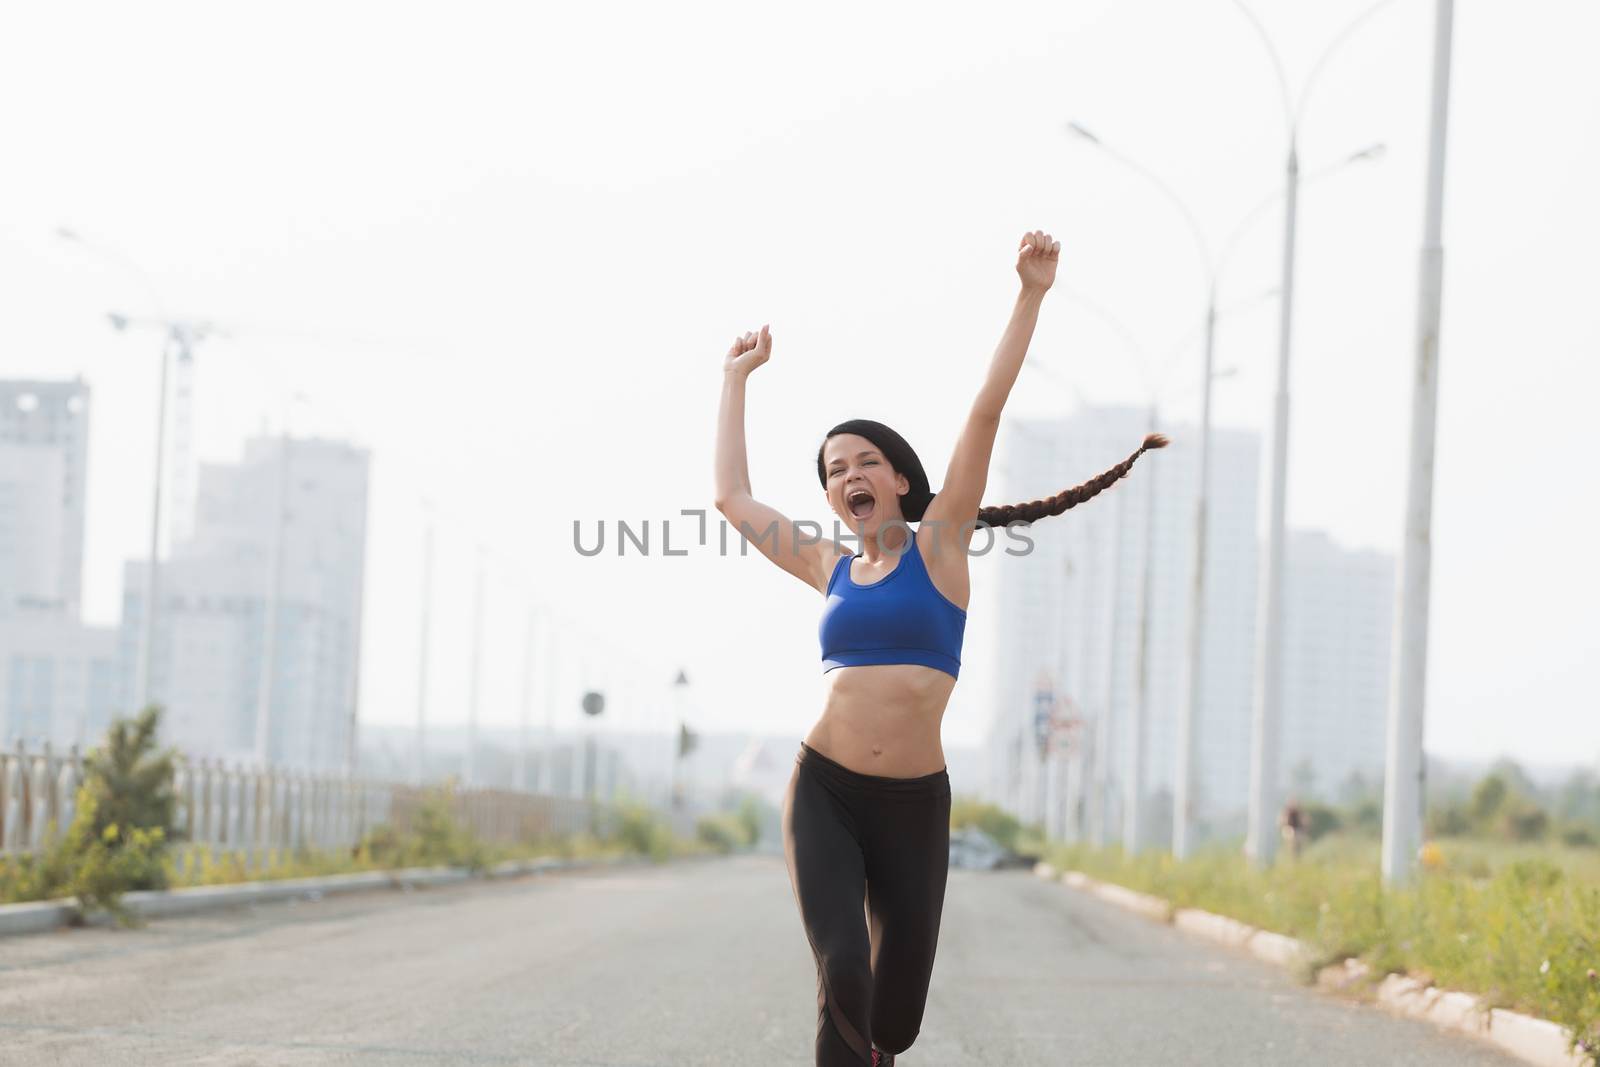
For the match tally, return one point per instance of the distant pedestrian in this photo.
(1293, 825)
(866, 818)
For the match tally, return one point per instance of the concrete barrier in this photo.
(1537, 1041)
(35, 917)
(1153, 907)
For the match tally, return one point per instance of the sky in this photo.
(505, 247)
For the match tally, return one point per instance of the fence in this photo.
(265, 816)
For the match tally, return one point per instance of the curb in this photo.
(45, 915)
(1532, 1040)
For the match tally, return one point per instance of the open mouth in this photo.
(860, 502)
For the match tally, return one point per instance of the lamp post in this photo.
(525, 712)
(1213, 266)
(424, 638)
(594, 702)
(549, 762)
(1402, 795)
(476, 693)
(1261, 831)
(682, 740)
(1132, 810)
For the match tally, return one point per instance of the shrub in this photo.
(993, 820)
(750, 815)
(1576, 835)
(1524, 822)
(437, 839)
(722, 831)
(443, 841)
(641, 830)
(113, 861)
(1321, 821)
(1449, 820)
(132, 782)
(124, 817)
(1487, 798)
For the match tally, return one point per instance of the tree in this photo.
(131, 780)
(1488, 797)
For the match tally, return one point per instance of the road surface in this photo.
(698, 962)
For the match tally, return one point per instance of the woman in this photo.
(866, 819)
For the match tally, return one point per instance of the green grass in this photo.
(1517, 925)
(438, 840)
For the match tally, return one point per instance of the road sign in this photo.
(1044, 705)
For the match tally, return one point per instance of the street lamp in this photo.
(1214, 267)
(1260, 837)
(684, 742)
(1133, 787)
(475, 694)
(525, 712)
(1403, 764)
(424, 638)
(593, 703)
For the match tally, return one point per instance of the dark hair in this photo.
(904, 460)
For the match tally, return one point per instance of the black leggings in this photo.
(868, 858)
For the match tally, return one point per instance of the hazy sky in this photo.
(506, 248)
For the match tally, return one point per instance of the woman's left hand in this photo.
(1037, 259)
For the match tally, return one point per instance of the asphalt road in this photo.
(688, 963)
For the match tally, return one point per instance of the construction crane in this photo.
(181, 336)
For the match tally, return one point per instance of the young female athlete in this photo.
(866, 819)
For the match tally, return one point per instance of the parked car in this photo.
(973, 849)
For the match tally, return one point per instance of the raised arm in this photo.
(961, 494)
(771, 531)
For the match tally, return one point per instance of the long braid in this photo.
(1034, 510)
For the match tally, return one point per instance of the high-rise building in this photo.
(1069, 623)
(1337, 625)
(58, 680)
(278, 538)
(1069, 613)
(58, 677)
(44, 454)
(32, 529)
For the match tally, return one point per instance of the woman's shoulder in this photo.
(944, 561)
(832, 554)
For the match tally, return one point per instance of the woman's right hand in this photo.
(748, 353)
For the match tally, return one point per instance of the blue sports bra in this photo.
(900, 618)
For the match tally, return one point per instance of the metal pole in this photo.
(1104, 753)
(520, 764)
(147, 633)
(1133, 813)
(1041, 784)
(549, 778)
(469, 774)
(1086, 808)
(680, 710)
(423, 640)
(1261, 837)
(1403, 794)
(1189, 711)
(265, 678)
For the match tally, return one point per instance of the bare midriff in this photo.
(884, 719)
